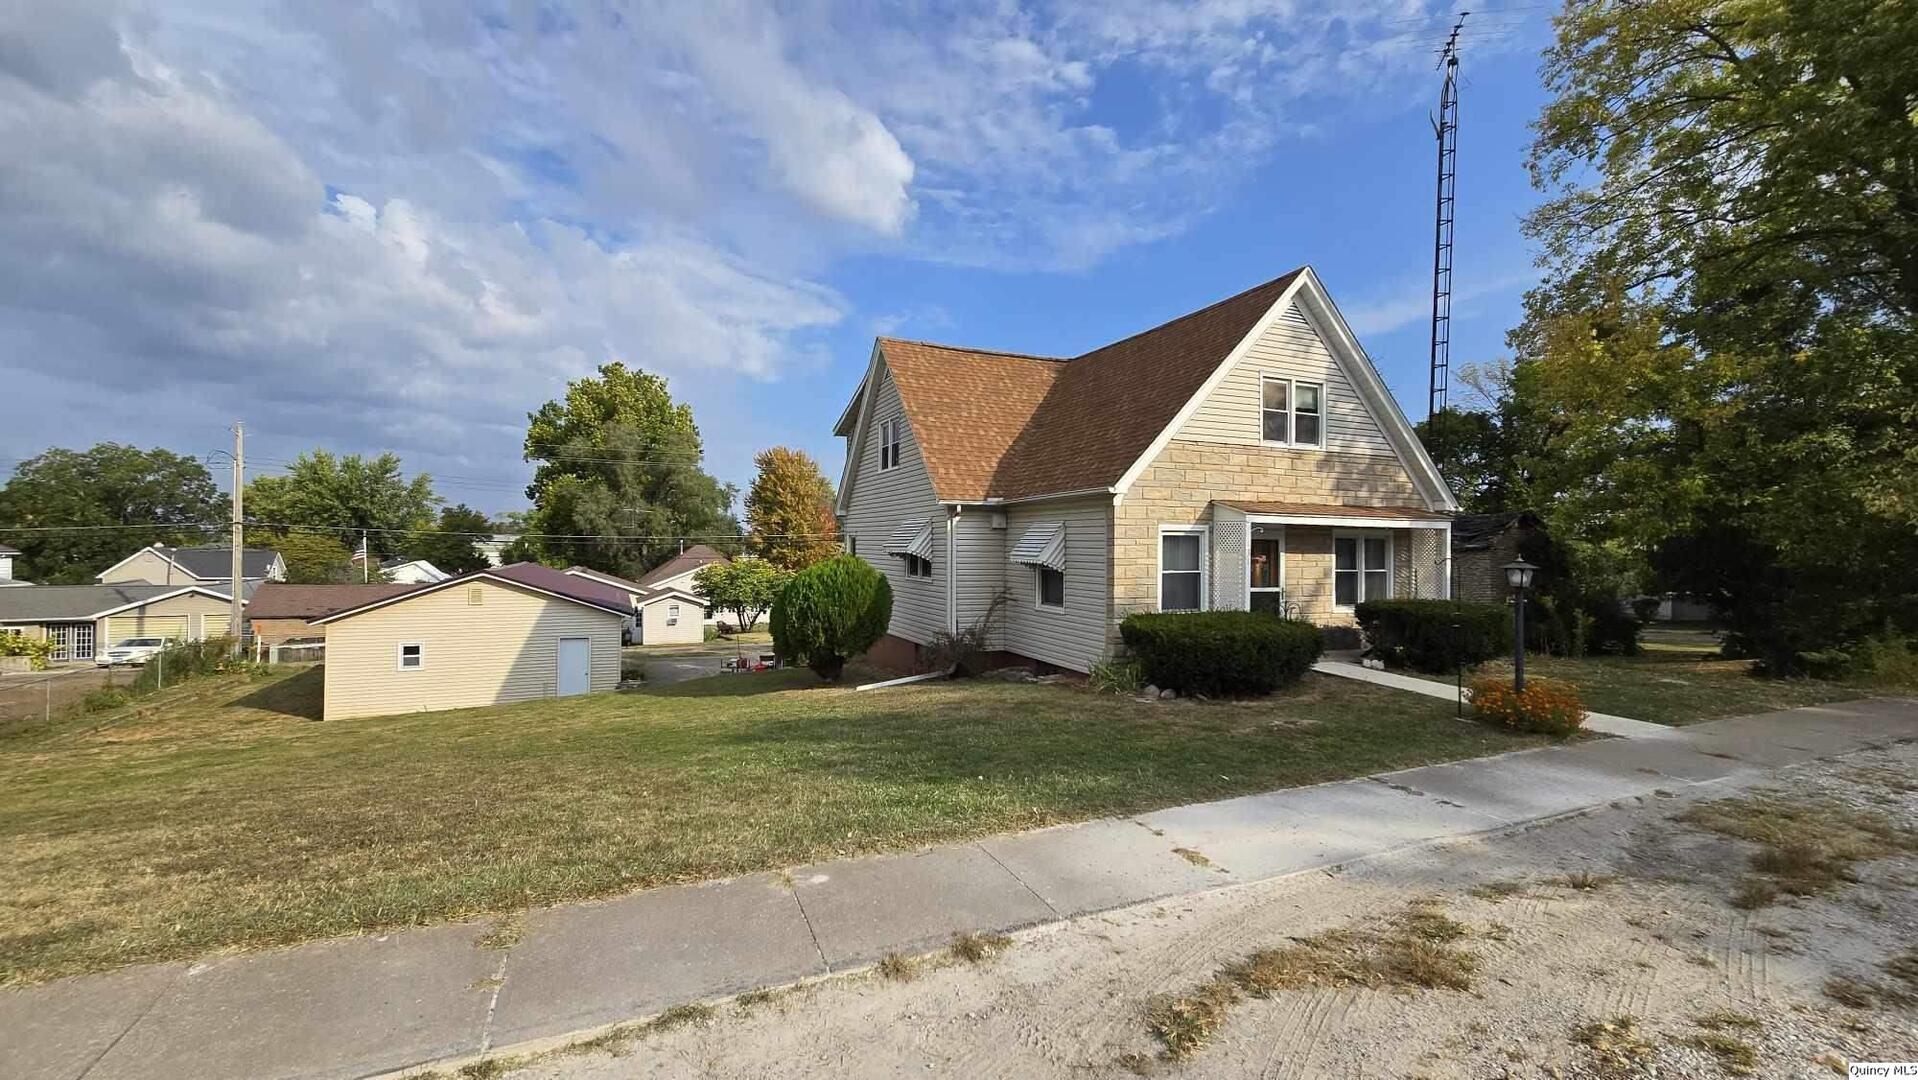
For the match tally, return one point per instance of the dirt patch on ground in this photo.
(1606, 945)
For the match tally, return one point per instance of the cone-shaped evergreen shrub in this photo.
(830, 611)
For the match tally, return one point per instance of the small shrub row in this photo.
(1220, 653)
(183, 660)
(38, 650)
(1435, 636)
(1546, 706)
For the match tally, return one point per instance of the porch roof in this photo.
(1331, 514)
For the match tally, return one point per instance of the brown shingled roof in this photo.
(1008, 426)
(277, 600)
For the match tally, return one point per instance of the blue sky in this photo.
(371, 227)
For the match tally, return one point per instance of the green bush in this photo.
(830, 611)
(183, 660)
(1220, 653)
(38, 650)
(1436, 636)
(1119, 675)
(107, 697)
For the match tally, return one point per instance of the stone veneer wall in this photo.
(1180, 485)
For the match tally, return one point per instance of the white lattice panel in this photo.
(1231, 542)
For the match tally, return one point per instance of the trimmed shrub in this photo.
(1437, 636)
(830, 611)
(1548, 706)
(1220, 653)
(38, 651)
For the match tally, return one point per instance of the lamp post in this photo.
(1519, 576)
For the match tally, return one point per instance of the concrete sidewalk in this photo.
(1603, 723)
(369, 1005)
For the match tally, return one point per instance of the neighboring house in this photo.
(677, 573)
(85, 619)
(158, 564)
(493, 549)
(280, 612)
(1481, 546)
(508, 633)
(662, 615)
(7, 555)
(401, 570)
(1247, 455)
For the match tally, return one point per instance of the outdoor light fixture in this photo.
(1519, 576)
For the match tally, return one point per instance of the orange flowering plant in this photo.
(1548, 706)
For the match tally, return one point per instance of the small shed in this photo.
(508, 633)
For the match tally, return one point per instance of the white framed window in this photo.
(1292, 413)
(1049, 587)
(889, 436)
(1182, 557)
(672, 614)
(1361, 567)
(917, 566)
(411, 656)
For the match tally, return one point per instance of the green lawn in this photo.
(221, 814)
(1676, 684)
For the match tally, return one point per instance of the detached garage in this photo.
(510, 633)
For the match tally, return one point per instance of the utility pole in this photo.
(1445, 127)
(235, 617)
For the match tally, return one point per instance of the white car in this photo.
(134, 650)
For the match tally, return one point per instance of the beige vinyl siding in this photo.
(685, 581)
(654, 630)
(881, 501)
(179, 617)
(503, 649)
(145, 566)
(979, 561)
(1073, 637)
(1291, 348)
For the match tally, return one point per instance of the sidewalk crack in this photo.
(1022, 881)
(824, 964)
(162, 992)
(492, 1004)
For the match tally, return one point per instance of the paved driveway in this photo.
(669, 664)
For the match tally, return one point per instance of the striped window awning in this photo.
(912, 538)
(1042, 545)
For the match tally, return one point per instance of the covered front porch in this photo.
(1319, 562)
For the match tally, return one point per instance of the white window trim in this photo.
(1255, 523)
(1391, 564)
(1038, 594)
(890, 443)
(1204, 533)
(399, 656)
(672, 614)
(1292, 411)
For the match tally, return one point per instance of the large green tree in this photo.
(346, 493)
(449, 544)
(619, 481)
(1721, 368)
(110, 484)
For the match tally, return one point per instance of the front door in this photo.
(575, 666)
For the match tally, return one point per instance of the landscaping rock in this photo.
(1149, 690)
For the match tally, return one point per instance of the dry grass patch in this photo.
(1497, 891)
(1411, 951)
(1585, 881)
(224, 815)
(897, 967)
(1722, 1019)
(1805, 846)
(1735, 1055)
(506, 932)
(1618, 1046)
(977, 948)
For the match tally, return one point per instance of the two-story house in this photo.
(1247, 455)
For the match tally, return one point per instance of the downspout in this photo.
(952, 570)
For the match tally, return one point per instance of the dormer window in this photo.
(889, 435)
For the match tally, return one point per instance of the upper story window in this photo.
(1292, 412)
(889, 436)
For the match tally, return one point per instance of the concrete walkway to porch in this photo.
(372, 1005)
(1623, 727)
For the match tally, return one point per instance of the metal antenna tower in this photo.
(1445, 126)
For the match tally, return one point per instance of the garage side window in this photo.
(412, 656)
(672, 614)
